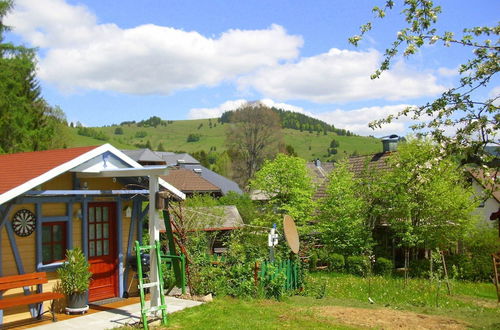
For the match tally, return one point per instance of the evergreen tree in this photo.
(27, 122)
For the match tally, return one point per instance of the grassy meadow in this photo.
(339, 301)
(174, 135)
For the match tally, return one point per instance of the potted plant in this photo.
(75, 279)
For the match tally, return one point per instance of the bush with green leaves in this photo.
(313, 261)
(357, 265)
(235, 276)
(383, 266)
(336, 262)
(75, 272)
(273, 286)
(420, 268)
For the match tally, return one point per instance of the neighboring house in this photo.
(358, 166)
(62, 199)
(319, 173)
(489, 209)
(220, 220)
(188, 162)
(190, 182)
(145, 157)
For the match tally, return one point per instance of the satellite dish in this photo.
(291, 234)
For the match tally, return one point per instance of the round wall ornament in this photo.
(23, 222)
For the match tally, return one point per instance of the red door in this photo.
(102, 251)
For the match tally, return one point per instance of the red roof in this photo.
(16, 169)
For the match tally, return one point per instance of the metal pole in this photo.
(154, 235)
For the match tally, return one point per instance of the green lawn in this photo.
(341, 302)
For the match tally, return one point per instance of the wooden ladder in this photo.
(496, 265)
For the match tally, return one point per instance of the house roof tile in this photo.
(189, 182)
(378, 161)
(16, 169)
(357, 165)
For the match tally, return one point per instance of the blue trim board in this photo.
(19, 263)
(119, 225)
(4, 213)
(69, 226)
(38, 236)
(85, 192)
(85, 228)
(63, 218)
(140, 224)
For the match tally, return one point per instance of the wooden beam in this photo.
(154, 235)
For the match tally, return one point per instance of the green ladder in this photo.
(163, 307)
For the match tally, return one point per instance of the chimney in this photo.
(390, 143)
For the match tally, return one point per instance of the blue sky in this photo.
(105, 62)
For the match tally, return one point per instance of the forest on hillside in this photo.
(297, 121)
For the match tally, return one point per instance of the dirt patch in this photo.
(388, 319)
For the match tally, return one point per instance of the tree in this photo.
(428, 204)
(223, 165)
(253, 136)
(343, 215)
(160, 147)
(474, 120)
(288, 185)
(27, 122)
(119, 130)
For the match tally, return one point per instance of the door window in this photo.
(99, 231)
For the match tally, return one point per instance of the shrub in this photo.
(313, 261)
(119, 131)
(357, 265)
(419, 268)
(383, 266)
(336, 262)
(274, 286)
(75, 272)
(141, 134)
(193, 137)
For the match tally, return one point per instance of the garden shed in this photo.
(93, 198)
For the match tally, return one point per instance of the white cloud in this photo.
(340, 76)
(357, 120)
(80, 53)
(448, 72)
(353, 120)
(201, 113)
(495, 93)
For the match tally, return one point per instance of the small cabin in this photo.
(93, 198)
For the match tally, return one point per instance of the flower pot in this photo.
(77, 300)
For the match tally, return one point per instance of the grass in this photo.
(174, 138)
(473, 304)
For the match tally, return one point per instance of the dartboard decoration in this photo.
(23, 223)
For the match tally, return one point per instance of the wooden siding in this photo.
(27, 245)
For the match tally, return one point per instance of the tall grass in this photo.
(395, 292)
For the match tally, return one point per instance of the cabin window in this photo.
(53, 242)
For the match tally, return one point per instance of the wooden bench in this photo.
(24, 281)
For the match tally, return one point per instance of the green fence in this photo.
(269, 270)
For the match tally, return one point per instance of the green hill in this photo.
(173, 135)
